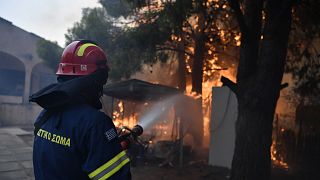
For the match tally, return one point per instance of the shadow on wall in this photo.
(12, 77)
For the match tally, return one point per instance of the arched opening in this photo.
(41, 77)
(12, 75)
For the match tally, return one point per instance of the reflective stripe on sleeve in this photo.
(83, 47)
(110, 168)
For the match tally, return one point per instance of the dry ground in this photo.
(189, 172)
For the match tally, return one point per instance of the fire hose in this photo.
(127, 136)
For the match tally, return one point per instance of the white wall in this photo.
(23, 46)
(222, 126)
(18, 114)
(16, 110)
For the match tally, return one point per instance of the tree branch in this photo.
(227, 82)
(284, 85)
(174, 49)
(235, 5)
(190, 27)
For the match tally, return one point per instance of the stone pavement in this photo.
(16, 154)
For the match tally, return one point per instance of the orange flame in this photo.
(277, 158)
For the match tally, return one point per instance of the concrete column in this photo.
(27, 83)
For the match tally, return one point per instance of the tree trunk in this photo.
(197, 67)
(197, 71)
(180, 18)
(258, 90)
(199, 50)
(197, 78)
(181, 59)
(250, 39)
(182, 65)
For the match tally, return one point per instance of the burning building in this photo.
(156, 107)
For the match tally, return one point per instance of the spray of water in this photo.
(157, 110)
(186, 110)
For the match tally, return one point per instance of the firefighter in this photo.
(73, 139)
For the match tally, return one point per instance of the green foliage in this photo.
(135, 47)
(122, 7)
(94, 25)
(175, 13)
(127, 48)
(50, 52)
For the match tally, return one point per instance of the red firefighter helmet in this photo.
(82, 58)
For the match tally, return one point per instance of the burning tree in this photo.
(265, 27)
(197, 32)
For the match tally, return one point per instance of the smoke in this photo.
(159, 73)
(174, 110)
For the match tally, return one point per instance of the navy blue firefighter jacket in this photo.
(77, 141)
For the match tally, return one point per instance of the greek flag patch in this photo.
(111, 134)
